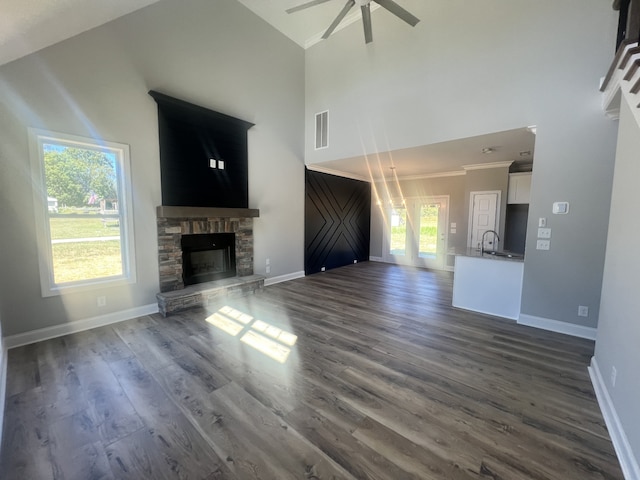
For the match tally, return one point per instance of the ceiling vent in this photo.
(322, 130)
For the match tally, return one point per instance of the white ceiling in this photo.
(27, 26)
(304, 27)
(439, 158)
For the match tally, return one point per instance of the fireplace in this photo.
(208, 257)
(204, 251)
(174, 223)
(200, 227)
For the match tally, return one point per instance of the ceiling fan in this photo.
(365, 6)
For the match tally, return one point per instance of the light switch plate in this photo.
(542, 222)
(560, 208)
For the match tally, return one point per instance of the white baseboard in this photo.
(283, 278)
(40, 334)
(558, 326)
(377, 259)
(628, 462)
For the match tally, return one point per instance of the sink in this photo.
(498, 253)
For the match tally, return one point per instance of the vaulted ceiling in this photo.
(27, 26)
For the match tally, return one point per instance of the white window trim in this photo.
(45, 258)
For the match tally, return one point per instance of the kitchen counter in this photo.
(488, 283)
(492, 254)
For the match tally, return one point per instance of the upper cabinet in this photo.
(519, 187)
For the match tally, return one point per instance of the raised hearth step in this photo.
(203, 293)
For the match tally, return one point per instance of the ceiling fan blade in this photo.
(312, 3)
(398, 11)
(366, 22)
(341, 15)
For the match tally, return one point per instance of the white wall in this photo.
(215, 54)
(618, 341)
(470, 68)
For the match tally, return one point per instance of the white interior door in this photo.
(417, 232)
(484, 213)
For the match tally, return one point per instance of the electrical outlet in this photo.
(544, 233)
(543, 245)
(268, 261)
(268, 269)
(102, 301)
(614, 375)
(322, 269)
(355, 261)
(583, 311)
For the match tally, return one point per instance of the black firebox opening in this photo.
(208, 257)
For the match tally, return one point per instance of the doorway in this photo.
(417, 232)
(484, 215)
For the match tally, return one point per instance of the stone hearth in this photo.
(172, 223)
(204, 293)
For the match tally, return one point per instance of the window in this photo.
(82, 198)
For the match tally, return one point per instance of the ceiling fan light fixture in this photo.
(365, 6)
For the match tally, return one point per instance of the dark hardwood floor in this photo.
(385, 381)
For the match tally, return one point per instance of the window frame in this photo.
(37, 138)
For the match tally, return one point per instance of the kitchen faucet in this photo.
(496, 240)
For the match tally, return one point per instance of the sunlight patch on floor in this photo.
(275, 333)
(268, 347)
(236, 314)
(225, 324)
(261, 336)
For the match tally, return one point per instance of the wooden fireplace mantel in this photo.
(163, 211)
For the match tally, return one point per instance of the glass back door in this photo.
(417, 232)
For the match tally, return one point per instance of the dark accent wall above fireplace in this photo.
(203, 155)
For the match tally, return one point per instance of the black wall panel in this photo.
(337, 221)
(190, 138)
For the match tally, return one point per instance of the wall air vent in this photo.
(322, 130)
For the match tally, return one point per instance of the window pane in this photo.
(429, 230)
(85, 248)
(84, 219)
(397, 245)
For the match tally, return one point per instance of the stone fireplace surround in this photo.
(172, 223)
